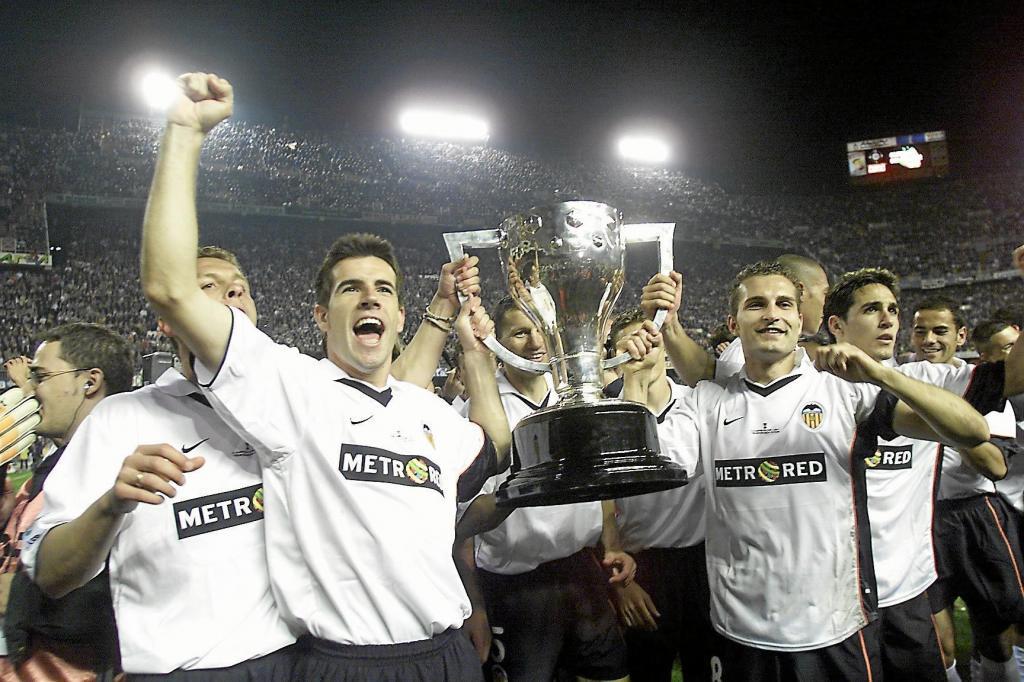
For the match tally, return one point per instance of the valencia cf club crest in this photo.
(813, 414)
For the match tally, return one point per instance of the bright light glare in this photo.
(447, 125)
(644, 149)
(158, 90)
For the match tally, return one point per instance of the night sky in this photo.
(749, 92)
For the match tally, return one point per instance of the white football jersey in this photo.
(788, 541)
(671, 518)
(531, 536)
(903, 477)
(1011, 488)
(188, 577)
(982, 386)
(360, 487)
(730, 361)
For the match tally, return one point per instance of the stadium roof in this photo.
(750, 89)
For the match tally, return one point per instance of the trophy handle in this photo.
(456, 242)
(649, 232)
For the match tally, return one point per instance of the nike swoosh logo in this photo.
(726, 422)
(189, 449)
(361, 420)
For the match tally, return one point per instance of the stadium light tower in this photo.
(644, 149)
(158, 90)
(443, 124)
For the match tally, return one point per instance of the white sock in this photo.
(951, 674)
(999, 671)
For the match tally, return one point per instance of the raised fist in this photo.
(205, 100)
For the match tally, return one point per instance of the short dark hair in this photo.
(622, 321)
(985, 330)
(1011, 313)
(217, 252)
(356, 245)
(943, 303)
(839, 298)
(501, 310)
(87, 345)
(763, 268)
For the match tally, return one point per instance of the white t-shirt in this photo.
(788, 547)
(188, 577)
(360, 487)
(671, 518)
(531, 536)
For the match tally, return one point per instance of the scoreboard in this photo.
(901, 157)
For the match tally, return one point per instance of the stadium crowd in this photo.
(357, 182)
(259, 398)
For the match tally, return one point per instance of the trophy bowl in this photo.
(564, 267)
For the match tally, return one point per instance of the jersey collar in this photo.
(803, 365)
(505, 387)
(335, 373)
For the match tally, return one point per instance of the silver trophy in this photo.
(564, 267)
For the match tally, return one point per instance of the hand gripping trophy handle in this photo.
(638, 234)
(661, 233)
(456, 242)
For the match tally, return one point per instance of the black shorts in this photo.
(447, 657)
(278, 666)
(555, 616)
(857, 657)
(979, 560)
(909, 642)
(676, 579)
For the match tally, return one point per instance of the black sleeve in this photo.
(879, 422)
(476, 474)
(985, 392)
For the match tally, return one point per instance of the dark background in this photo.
(754, 95)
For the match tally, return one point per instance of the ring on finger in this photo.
(138, 478)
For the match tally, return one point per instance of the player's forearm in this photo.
(987, 459)
(635, 387)
(420, 358)
(72, 553)
(485, 408)
(951, 417)
(611, 539)
(483, 515)
(465, 563)
(692, 362)
(170, 233)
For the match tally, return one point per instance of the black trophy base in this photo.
(582, 453)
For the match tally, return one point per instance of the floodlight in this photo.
(441, 124)
(158, 90)
(642, 148)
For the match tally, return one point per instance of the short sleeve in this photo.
(483, 467)
(678, 436)
(730, 361)
(879, 421)
(265, 391)
(980, 385)
(864, 397)
(86, 471)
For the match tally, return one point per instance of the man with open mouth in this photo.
(351, 456)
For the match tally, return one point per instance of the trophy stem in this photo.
(578, 378)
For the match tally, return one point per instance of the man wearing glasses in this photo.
(76, 367)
